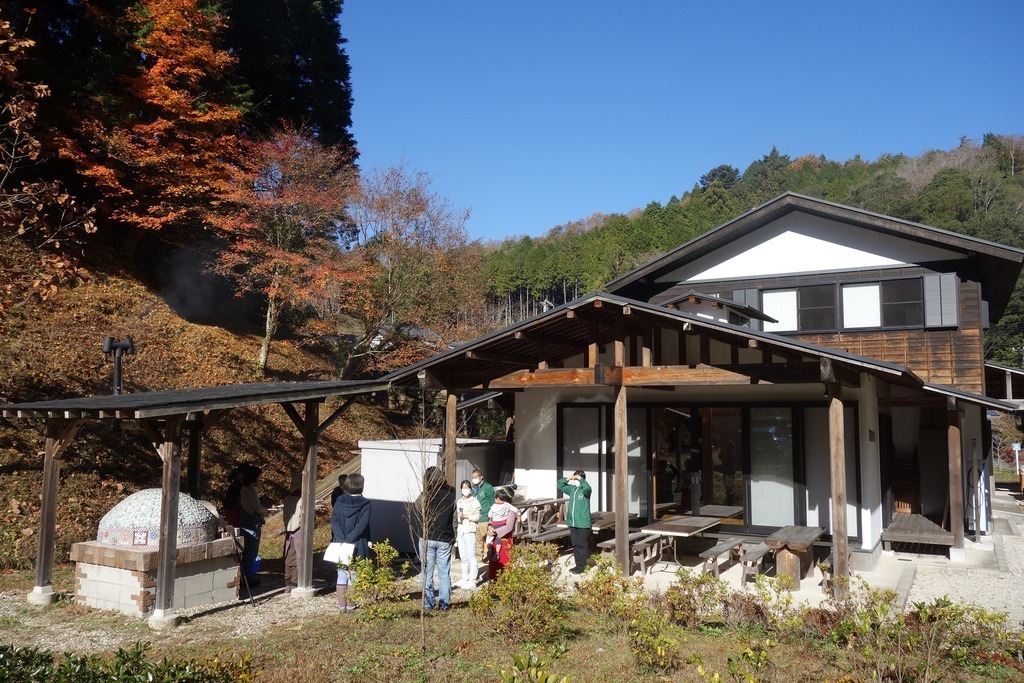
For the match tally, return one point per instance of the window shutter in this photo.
(748, 297)
(940, 300)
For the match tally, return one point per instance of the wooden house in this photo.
(812, 363)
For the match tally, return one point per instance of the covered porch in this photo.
(624, 369)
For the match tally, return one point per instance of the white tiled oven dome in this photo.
(135, 522)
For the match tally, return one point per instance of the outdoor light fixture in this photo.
(118, 348)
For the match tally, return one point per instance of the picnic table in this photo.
(600, 520)
(720, 511)
(679, 527)
(793, 550)
(538, 515)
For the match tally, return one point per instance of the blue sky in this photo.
(533, 114)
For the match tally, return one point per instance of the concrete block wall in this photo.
(124, 580)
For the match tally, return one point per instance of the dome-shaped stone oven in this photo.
(135, 522)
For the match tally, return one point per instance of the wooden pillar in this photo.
(167, 552)
(837, 460)
(59, 433)
(956, 481)
(451, 437)
(195, 441)
(621, 459)
(307, 502)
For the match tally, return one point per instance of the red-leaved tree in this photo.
(283, 214)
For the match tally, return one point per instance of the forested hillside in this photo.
(183, 172)
(976, 188)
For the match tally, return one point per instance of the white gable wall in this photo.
(801, 243)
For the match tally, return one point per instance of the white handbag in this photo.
(339, 553)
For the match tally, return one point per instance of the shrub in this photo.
(530, 667)
(776, 597)
(376, 589)
(32, 664)
(753, 665)
(653, 642)
(608, 594)
(743, 611)
(694, 597)
(523, 605)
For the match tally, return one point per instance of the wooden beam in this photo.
(557, 377)
(837, 467)
(671, 375)
(541, 338)
(341, 410)
(501, 358)
(167, 552)
(593, 352)
(451, 434)
(293, 414)
(195, 446)
(619, 345)
(646, 352)
(955, 464)
(307, 499)
(621, 506)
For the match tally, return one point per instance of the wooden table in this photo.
(537, 515)
(600, 520)
(720, 511)
(680, 527)
(793, 554)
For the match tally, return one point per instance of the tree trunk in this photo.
(273, 309)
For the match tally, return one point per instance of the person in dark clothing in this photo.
(231, 508)
(350, 523)
(432, 521)
(338, 490)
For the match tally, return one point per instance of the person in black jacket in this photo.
(433, 523)
(350, 523)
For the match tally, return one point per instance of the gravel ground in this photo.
(993, 590)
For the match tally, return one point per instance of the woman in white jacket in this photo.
(468, 512)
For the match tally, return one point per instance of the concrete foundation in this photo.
(124, 580)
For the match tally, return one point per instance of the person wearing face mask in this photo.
(577, 517)
(468, 514)
(484, 493)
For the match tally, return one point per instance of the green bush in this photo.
(606, 593)
(653, 642)
(376, 589)
(29, 665)
(523, 605)
(753, 665)
(531, 667)
(694, 597)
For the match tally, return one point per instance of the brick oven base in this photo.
(124, 580)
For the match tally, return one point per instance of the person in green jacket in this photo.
(577, 517)
(484, 493)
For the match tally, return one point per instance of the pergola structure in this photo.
(165, 416)
(602, 340)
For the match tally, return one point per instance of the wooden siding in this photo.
(954, 357)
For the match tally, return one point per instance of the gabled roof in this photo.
(564, 331)
(998, 264)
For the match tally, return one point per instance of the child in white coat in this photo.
(467, 511)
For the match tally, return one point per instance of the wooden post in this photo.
(621, 475)
(167, 553)
(195, 444)
(58, 435)
(837, 458)
(621, 457)
(307, 502)
(956, 481)
(451, 437)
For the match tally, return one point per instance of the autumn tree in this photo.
(283, 215)
(34, 211)
(397, 288)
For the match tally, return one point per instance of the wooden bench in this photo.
(552, 534)
(752, 559)
(644, 549)
(827, 567)
(711, 555)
